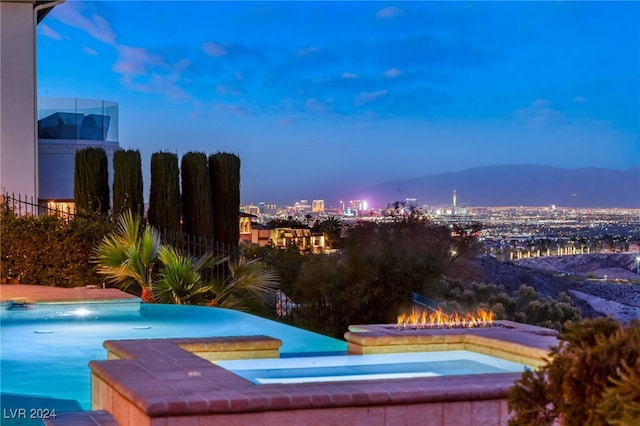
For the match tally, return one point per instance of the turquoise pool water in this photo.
(369, 367)
(45, 349)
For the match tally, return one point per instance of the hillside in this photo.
(552, 275)
(615, 266)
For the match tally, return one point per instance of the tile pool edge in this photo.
(521, 343)
(161, 379)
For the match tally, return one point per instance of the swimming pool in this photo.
(45, 349)
(368, 367)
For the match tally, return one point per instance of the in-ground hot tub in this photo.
(368, 367)
(171, 381)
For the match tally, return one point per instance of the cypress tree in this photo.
(127, 182)
(197, 215)
(91, 181)
(224, 169)
(164, 196)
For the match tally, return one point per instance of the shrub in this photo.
(591, 378)
(164, 197)
(224, 171)
(48, 250)
(91, 181)
(197, 215)
(127, 182)
(524, 306)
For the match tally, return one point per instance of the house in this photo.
(256, 233)
(18, 141)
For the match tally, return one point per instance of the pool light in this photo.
(81, 312)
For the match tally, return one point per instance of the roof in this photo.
(48, 6)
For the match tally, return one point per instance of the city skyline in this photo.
(321, 97)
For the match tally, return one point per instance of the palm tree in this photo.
(133, 255)
(251, 286)
(180, 280)
(332, 228)
(128, 256)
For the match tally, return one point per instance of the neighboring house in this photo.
(66, 125)
(252, 232)
(37, 163)
(303, 238)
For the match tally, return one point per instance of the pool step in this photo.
(82, 418)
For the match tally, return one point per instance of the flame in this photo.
(438, 319)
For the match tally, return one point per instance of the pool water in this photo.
(368, 367)
(45, 349)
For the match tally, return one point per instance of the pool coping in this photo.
(161, 378)
(31, 293)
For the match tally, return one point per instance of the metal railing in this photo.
(23, 206)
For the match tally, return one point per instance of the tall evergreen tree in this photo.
(91, 181)
(127, 182)
(197, 214)
(224, 169)
(164, 197)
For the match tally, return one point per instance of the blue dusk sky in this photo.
(324, 100)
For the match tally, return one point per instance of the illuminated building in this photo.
(317, 206)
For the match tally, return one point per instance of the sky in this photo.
(324, 100)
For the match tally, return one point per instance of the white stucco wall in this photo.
(18, 143)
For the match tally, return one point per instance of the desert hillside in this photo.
(581, 276)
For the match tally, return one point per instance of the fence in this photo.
(193, 246)
(197, 246)
(23, 205)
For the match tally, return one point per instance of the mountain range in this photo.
(520, 185)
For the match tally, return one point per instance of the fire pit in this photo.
(522, 343)
(438, 320)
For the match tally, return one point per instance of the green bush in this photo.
(48, 250)
(523, 306)
(224, 172)
(164, 195)
(591, 378)
(127, 182)
(91, 181)
(197, 207)
(372, 278)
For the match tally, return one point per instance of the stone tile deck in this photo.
(46, 294)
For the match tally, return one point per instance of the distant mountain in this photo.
(521, 185)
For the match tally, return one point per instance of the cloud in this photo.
(214, 49)
(147, 72)
(367, 97)
(306, 51)
(225, 90)
(540, 103)
(159, 84)
(389, 13)
(89, 51)
(349, 75)
(392, 73)
(139, 69)
(540, 114)
(96, 25)
(317, 106)
(135, 61)
(580, 99)
(47, 31)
